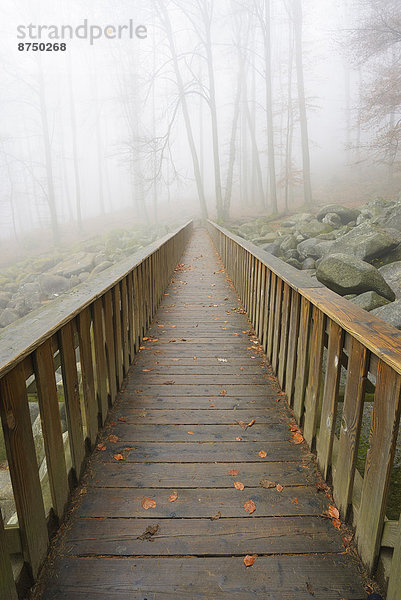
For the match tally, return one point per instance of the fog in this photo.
(162, 110)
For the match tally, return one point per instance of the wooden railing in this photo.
(313, 338)
(91, 335)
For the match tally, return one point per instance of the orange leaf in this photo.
(223, 393)
(233, 472)
(239, 439)
(146, 339)
(122, 419)
(113, 439)
(173, 497)
(190, 432)
(147, 370)
(250, 506)
(294, 501)
(211, 405)
(279, 487)
(118, 457)
(148, 503)
(337, 523)
(333, 512)
(249, 560)
(263, 454)
(239, 486)
(297, 438)
(195, 358)
(293, 427)
(101, 447)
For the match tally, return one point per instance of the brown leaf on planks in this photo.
(168, 382)
(294, 501)
(118, 457)
(216, 517)
(333, 512)
(148, 503)
(233, 472)
(239, 486)
(173, 497)
(148, 534)
(250, 506)
(263, 454)
(297, 438)
(223, 393)
(267, 484)
(279, 487)
(122, 419)
(249, 559)
(147, 370)
(336, 523)
(113, 439)
(238, 439)
(190, 433)
(244, 425)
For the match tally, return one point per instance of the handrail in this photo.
(300, 323)
(93, 332)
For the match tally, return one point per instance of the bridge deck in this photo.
(176, 427)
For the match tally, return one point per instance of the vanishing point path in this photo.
(174, 442)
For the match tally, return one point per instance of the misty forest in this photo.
(236, 164)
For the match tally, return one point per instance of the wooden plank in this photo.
(325, 439)
(51, 427)
(88, 376)
(272, 324)
(262, 302)
(100, 360)
(285, 325)
(21, 456)
(330, 577)
(292, 347)
(131, 316)
(394, 584)
(180, 452)
(118, 340)
(196, 389)
(146, 432)
(72, 398)
(302, 359)
(379, 462)
(108, 308)
(312, 394)
(191, 503)
(200, 537)
(277, 324)
(137, 324)
(7, 586)
(202, 475)
(125, 324)
(343, 474)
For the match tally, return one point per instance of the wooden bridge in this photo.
(214, 449)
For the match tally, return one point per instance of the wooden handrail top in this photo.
(19, 340)
(378, 336)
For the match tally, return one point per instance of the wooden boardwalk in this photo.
(177, 428)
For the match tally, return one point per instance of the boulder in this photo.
(346, 274)
(390, 313)
(391, 217)
(7, 317)
(31, 294)
(53, 285)
(294, 263)
(392, 274)
(308, 263)
(332, 219)
(102, 267)
(365, 242)
(311, 229)
(265, 239)
(370, 300)
(345, 213)
(289, 242)
(314, 248)
(4, 299)
(82, 261)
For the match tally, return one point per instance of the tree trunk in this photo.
(269, 112)
(231, 162)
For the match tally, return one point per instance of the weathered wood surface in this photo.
(179, 437)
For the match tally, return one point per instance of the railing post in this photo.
(7, 584)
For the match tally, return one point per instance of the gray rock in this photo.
(345, 213)
(332, 219)
(32, 294)
(83, 276)
(294, 263)
(291, 254)
(390, 313)
(314, 248)
(102, 267)
(52, 285)
(266, 239)
(347, 275)
(4, 299)
(308, 263)
(370, 300)
(392, 274)
(365, 242)
(7, 317)
(391, 257)
(76, 264)
(99, 258)
(391, 217)
(289, 242)
(313, 228)
(33, 411)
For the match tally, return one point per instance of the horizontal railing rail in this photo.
(315, 341)
(86, 339)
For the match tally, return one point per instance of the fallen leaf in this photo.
(294, 501)
(310, 589)
(118, 457)
(333, 512)
(113, 439)
(279, 487)
(239, 486)
(195, 358)
(123, 419)
(173, 497)
(190, 432)
(347, 539)
(148, 533)
(242, 424)
(297, 438)
(251, 423)
(250, 506)
(147, 370)
(233, 472)
(168, 382)
(239, 439)
(337, 523)
(216, 517)
(101, 447)
(223, 393)
(266, 483)
(293, 427)
(262, 454)
(148, 503)
(146, 339)
(211, 405)
(249, 560)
